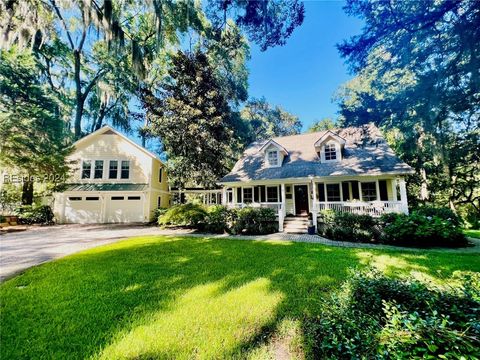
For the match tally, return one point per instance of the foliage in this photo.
(183, 215)
(322, 125)
(219, 219)
(192, 117)
(378, 317)
(472, 233)
(265, 121)
(34, 139)
(10, 197)
(418, 78)
(158, 212)
(2, 219)
(35, 214)
(423, 230)
(254, 221)
(343, 226)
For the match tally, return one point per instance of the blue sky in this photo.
(303, 75)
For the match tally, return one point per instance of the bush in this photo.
(219, 219)
(35, 214)
(254, 221)
(184, 215)
(442, 213)
(373, 316)
(423, 230)
(345, 226)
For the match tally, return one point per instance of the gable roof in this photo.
(331, 134)
(274, 143)
(108, 130)
(365, 153)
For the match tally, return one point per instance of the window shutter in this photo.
(345, 191)
(239, 195)
(355, 193)
(263, 195)
(256, 194)
(382, 184)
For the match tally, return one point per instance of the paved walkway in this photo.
(21, 250)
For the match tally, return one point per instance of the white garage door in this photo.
(83, 209)
(124, 208)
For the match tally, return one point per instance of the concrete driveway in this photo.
(21, 250)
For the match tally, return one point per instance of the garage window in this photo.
(86, 169)
(125, 174)
(113, 169)
(118, 198)
(98, 173)
(92, 198)
(134, 198)
(74, 198)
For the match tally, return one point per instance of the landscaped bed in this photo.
(167, 297)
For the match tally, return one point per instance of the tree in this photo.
(418, 77)
(321, 125)
(192, 117)
(33, 137)
(265, 121)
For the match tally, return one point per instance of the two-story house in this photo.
(113, 180)
(351, 169)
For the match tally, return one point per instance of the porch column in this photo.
(224, 196)
(360, 191)
(234, 189)
(377, 189)
(314, 207)
(282, 211)
(403, 195)
(394, 189)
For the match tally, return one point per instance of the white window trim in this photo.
(266, 193)
(338, 153)
(269, 164)
(106, 170)
(243, 194)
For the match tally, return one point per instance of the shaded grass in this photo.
(167, 297)
(472, 233)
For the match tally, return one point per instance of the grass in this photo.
(472, 233)
(166, 297)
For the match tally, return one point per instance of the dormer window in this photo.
(272, 157)
(330, 152)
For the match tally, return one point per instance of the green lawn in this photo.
(472, 233)
(160, 297)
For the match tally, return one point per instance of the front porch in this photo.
(361, 195)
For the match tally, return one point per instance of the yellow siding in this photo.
(111, 147)
(155, 176)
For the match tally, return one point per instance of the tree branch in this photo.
(59, 14)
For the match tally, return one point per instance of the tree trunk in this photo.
(78, 96)
(27, 193)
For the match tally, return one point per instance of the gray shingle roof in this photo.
(107, 187)
(365, 153)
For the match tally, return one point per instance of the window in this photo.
(113, 169)
(92, 198)
(133, 198)
(125, 173)
(272, 194)
(160, 173)
(74, 198)
(86, 169)
(369, 191)
(247, 195)
(117, 197)
(159, 202)
(98, 173)
(333, 192)
(229, 195)
(330, 152)
(272, 157)
(321, 192)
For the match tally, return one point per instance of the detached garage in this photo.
(103, 203)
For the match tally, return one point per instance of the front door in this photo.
(301, 199)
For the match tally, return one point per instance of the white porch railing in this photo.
(373, 208)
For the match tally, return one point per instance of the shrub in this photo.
(345, 226)
(184, 215)
(440, 212)
(3, 219)
(254, 221)
(35, 214)
(219, 219)
(419, 229)
(373, 316)
(158, 212)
